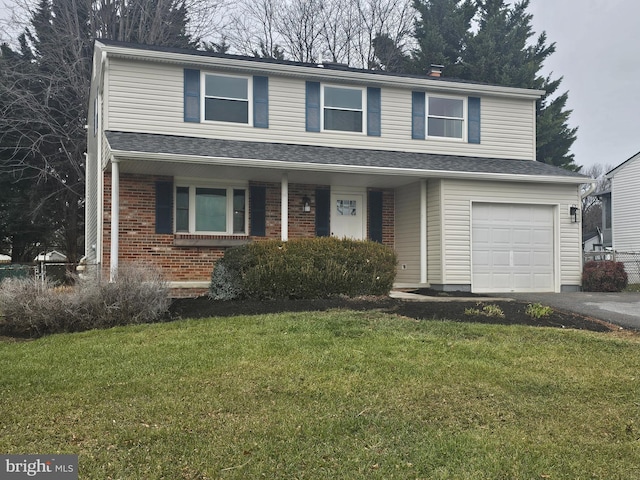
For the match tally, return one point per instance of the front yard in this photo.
(336, 394)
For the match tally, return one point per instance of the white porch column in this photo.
(284, 207)
(115, 219)
(423, 231)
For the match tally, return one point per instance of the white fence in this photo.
(631, 261)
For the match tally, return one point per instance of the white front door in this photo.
(347, 215)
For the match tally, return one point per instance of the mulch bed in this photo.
(514, 312)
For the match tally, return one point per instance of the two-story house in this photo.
(191, 152)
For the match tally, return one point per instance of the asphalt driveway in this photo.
(621, 309)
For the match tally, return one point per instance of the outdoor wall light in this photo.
(573, 213)
(306, 204)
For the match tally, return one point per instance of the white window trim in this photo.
(464, 119)
(229, 187)
(363, 97)
(203, 97)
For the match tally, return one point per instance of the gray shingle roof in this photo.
(207, 147)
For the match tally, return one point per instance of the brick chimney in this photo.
(435, 71)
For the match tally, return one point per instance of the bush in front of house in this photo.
(304, 269)
(32, 307)
(604, 276)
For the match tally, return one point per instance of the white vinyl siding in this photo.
(458, 197)
(147, 97)
(407, 234)
(434, 232)
(625, 198)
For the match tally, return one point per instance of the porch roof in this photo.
(274, 155)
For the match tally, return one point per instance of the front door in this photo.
(347, 215)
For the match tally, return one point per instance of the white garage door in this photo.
(512, 248)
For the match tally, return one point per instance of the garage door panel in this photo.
(521, 236)
(500, 259)
(541, 236)
(522, 259)
(512, 248)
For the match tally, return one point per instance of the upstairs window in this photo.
(212, 210)
(226, 99)
(343, 109)
(445, 117)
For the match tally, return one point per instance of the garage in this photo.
(512, 248)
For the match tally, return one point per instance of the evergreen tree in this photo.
(441, 31)
(389, 56)
(44, 95)
(500, 53)
(554, 136)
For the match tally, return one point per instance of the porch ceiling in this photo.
(232, 159)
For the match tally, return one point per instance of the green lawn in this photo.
(327, 395)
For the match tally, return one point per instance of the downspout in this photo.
(589, 191)
(115, 219)
(423, 232)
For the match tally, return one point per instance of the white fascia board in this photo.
(322, 74)
(353, 169)
(610, 174)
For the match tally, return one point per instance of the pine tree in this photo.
(500, 53)
(442, 31)
(554, 136)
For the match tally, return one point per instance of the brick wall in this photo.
(139, 243)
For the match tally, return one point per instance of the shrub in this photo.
(32, 307)
(304, 268)
(537, 310)
(487, 311)
(604, 276)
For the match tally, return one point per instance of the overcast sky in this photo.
(598, 54)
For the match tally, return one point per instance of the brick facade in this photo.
(138, 241)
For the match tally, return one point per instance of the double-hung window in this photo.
(211, 210)
(343, 109)
(445, 117)
(227, 98)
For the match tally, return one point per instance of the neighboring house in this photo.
(192, 152)
(592, 241)
(52, 256)
(621, 204)
(605, 201)
(5, 258)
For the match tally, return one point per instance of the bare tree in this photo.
(591, 205)
(44, 91)
(340, 31)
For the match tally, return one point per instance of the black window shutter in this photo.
(323, 212)
(375, 216)
(164, 207)
(258, 210)
(373, 112)
(417, 115)
(313, 107)
(191, 95)
(473, 106)
(261, 102)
